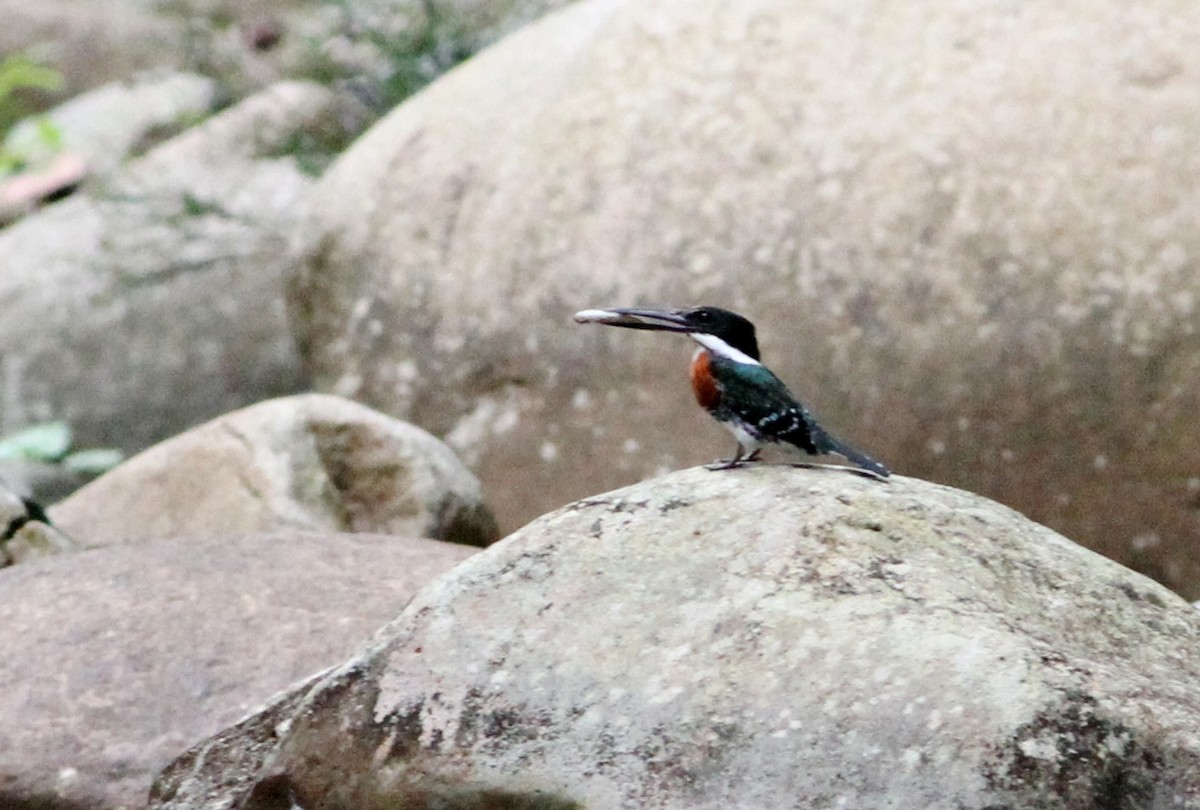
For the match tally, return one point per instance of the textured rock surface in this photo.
(762, 638)
(154, 302)
(967, 234)
(304, 462)
(117, 659)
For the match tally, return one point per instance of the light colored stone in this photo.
(966, 231)
(108, 124)
(117, 659)
(766, 637)
(154, 302)
(311, 462)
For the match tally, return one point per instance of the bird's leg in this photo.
(739, 458)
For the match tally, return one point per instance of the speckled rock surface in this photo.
(967, 233)
(762, 638)
(310, 461)
(117, 659)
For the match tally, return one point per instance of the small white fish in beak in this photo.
(597, 316)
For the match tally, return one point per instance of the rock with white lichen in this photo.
(766, 637)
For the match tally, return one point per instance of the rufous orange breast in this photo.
(704, 385)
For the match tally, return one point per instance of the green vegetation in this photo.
(50, 442)
(437, 39)
(18, 75)
(421, 55)
(406, 58)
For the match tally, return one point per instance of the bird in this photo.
(731, 383)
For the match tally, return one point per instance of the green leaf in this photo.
(93, 462)
(17, 72)
(49, 133)
(48, 441)
(9, 163)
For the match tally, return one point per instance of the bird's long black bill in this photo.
(663, 320)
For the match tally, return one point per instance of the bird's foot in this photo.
(726, 464)
(732, 463)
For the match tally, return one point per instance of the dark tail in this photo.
(827, 444)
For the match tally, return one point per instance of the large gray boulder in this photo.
(966, 231)
(153, 302)
(117, 659)
(758, 638)
(311, 461)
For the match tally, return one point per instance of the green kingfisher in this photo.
(732, 384)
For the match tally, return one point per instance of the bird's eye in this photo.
(703, 315)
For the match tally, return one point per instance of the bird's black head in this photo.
(730, 327)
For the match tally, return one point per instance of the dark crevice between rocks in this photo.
(13, 527)
(43, 802)
(488, 799)
(475, 526)
(33, 512)
(272, 793)
(469, 797)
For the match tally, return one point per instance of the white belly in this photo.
(746, 441)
